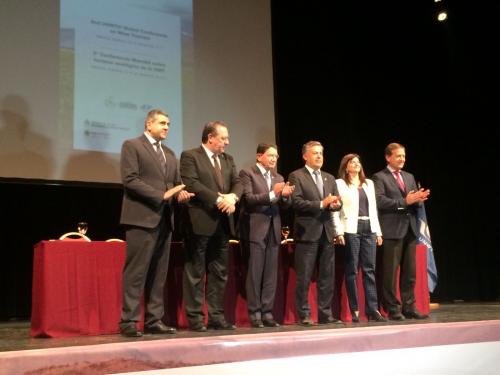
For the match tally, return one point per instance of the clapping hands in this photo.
(332, 201)
(283, 189)
(417, 196)
(228, 203)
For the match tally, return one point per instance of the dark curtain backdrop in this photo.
(359, 76)
(355, 77)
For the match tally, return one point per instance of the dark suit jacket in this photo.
(310, 220)
(256, 210)
(198, 174)
(144, 183)
(393, 213)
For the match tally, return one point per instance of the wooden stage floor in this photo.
(454, 323)
(15, 335)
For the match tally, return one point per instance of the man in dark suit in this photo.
(313, 200)
(397, 200)
(264, 190)
(211, 175)
(148, 170)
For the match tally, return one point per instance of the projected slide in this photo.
(126, 60)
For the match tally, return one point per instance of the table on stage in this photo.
(77, 288)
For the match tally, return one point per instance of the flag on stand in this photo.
(424, 237)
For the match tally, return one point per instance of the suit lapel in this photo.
(263, 180)
(395, 183)
(227, 171)
(327, 184)
(260, 178)
(312, 183)
(274, 176)
(210, 167)
(152, 153)
(404, 176)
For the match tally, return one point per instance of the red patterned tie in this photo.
(399, 180)
(218, 172)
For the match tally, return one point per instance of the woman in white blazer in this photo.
(359, 230)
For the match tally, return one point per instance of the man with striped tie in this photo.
(210, 173)
(149, 170)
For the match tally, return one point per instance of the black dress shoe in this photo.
(130, 331)
(307, 322)
(221, 325)
(197, 327)
(376, 317)
(329, 320)
(159, 328)
(414, 314)
(270, 323)
(256, 323)
(396, 316)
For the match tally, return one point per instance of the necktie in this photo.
(161, 158)
(399, 180)
(218, 173)
(267, 176)
(319, 182)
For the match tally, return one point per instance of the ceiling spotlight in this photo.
(442, 16)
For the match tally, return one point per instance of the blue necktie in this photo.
(267, 176)
(319, 182)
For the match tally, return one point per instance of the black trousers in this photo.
(399, 253)
(307, 254)
(145, 269)
(262, 275)
(205, 256)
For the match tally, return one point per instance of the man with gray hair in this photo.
(313, 200)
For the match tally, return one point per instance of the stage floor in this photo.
(15, 336)
(462, 324)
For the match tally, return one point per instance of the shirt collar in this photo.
(311, 171)
(391, 169)
(150, 139)
(209, 153)
(261, 169)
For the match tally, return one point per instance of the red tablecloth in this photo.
(77, 288)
